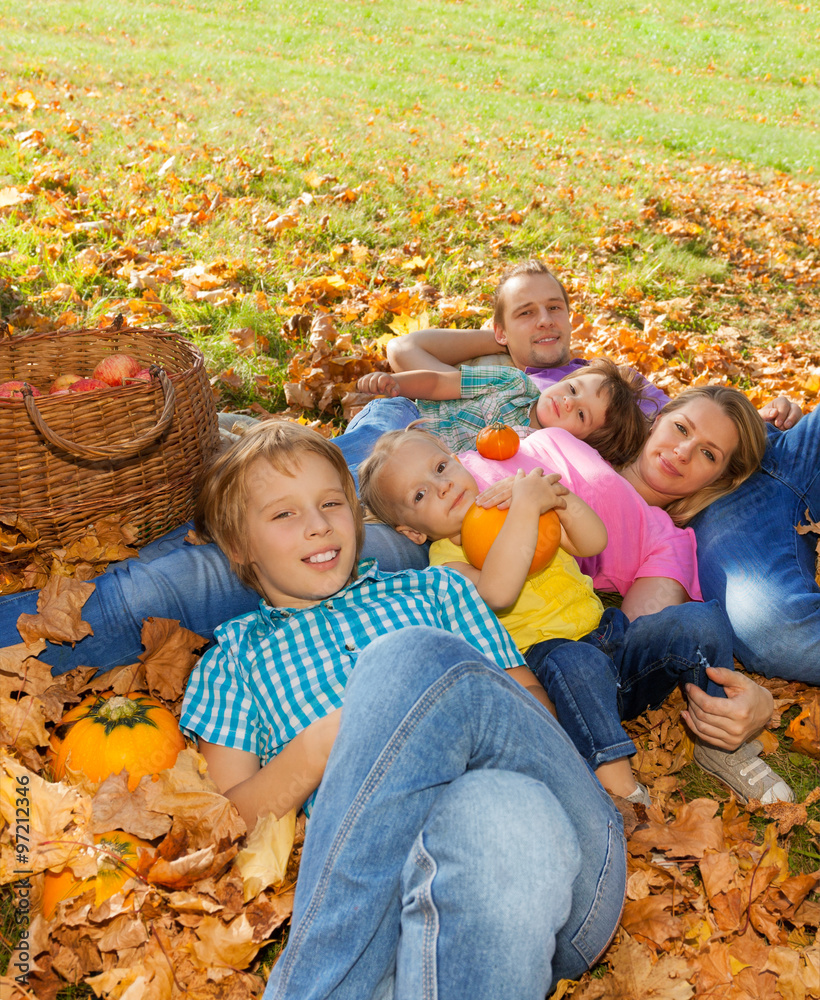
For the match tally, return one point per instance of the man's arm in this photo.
(440, 350)
(284, 782)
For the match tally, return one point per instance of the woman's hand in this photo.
(731, 721)
(378, 384)
(781, 412)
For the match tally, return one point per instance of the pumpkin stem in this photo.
(119, 708)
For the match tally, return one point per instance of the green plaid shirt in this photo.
(490, 394)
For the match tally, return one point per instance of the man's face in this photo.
(301, 532)
(536, 328)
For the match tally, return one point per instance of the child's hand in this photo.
(781, 412)
(497, 495)
(539, 490)
(378, 384)
(500, 494)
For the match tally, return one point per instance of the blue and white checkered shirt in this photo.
(274, 671)
(490, 394)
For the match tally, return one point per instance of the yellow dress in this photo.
(557, 603)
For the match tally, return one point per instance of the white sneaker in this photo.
(744, 772)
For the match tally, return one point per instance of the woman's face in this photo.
(687, 449)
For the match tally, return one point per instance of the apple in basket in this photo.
(62, 382)
(14, 389)
(116, 368)
(88, 385)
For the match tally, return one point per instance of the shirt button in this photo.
(329, 605)
(350, 646)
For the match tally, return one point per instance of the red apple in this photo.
(62, 382)
(143, 375)
(114, 369)
(13, 389)
(88, 385)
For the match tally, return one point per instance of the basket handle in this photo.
(94, 452)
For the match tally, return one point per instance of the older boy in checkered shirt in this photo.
(264, 701)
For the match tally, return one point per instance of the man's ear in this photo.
(500, 334)
(415, 536)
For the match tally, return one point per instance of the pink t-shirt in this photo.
(643, 541)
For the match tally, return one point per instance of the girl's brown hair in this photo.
(743, 461)
(222, 499)
(625, 428)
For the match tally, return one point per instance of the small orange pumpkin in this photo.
(116, 863)
(480, 528)
(497, 441)
(109, 733)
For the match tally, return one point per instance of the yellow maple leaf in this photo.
(264, 860)
(404, 323)
(417, 264)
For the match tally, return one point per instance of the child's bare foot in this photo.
(617, 778)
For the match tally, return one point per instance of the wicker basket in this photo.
(66, 461)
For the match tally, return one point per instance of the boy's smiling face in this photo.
(432, 489)
(301, 532)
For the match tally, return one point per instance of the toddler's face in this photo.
(576, 404)
(301, 531)
(431, 488)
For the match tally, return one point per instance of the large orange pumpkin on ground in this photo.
(116, 862)
(107, 734)
(480, 528)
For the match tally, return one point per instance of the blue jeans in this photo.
(194, 584)
(761, 570)
(459, 846)
(622, 668)
(377, 418)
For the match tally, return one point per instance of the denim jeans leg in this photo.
(622, 668)
(422, 708)
(193, 584)
(656, 653)
(496, 851)
(583, 683)
(762, 571)
(377, 418)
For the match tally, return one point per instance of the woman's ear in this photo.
(415, 536)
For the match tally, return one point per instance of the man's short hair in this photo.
(220, 514)
(533, 266)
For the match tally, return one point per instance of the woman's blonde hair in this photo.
(378, 506)
(743, 461)
(220, 514)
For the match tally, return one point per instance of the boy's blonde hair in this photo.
(625, 428)
(743, 461)
(378, 506)
(222, 499)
